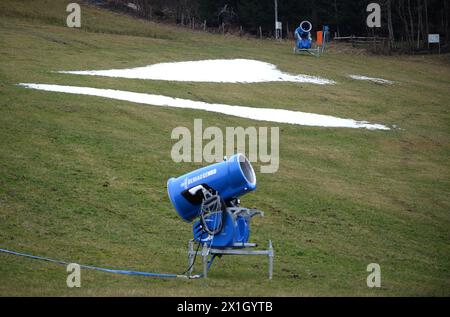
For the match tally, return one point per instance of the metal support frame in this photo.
(313, 51)
(206, 252)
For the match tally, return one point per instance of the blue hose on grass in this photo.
(114, 271)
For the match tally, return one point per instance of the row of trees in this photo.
(405, 23)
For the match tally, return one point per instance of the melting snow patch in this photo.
(372, 79)
(216, 71)
(262, 114)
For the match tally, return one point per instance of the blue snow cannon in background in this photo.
(212, 194)
(303, 35)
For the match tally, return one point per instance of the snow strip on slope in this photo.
(262, 114)
(372, 79)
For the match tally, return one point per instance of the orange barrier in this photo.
(319, 38)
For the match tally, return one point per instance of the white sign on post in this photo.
(278, 30)
(433, 38)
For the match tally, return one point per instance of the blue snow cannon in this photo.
(212, 194)
(303, 35)
(231, 178)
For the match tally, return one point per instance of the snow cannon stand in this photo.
(303, 40)
(209, 196)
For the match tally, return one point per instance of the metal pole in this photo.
(276, 19)
(190, 257)
(205, 260)
(270, 260)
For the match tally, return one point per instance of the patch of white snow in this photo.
(262, 114)
(214, 71)
(372, 79)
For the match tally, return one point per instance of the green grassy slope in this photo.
(83, 178)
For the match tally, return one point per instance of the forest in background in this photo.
(405, 23)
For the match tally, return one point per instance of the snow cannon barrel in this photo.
(305, 26)
(230, 179)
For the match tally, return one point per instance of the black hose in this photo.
(204, 214)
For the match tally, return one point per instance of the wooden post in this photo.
(260, 32)
(240, 30)
(204, 25)
(223, 28)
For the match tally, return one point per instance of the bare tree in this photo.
(427, 30)
(411, 23)
(336, 17)
(390, 26)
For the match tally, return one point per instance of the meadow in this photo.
(83, 178)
